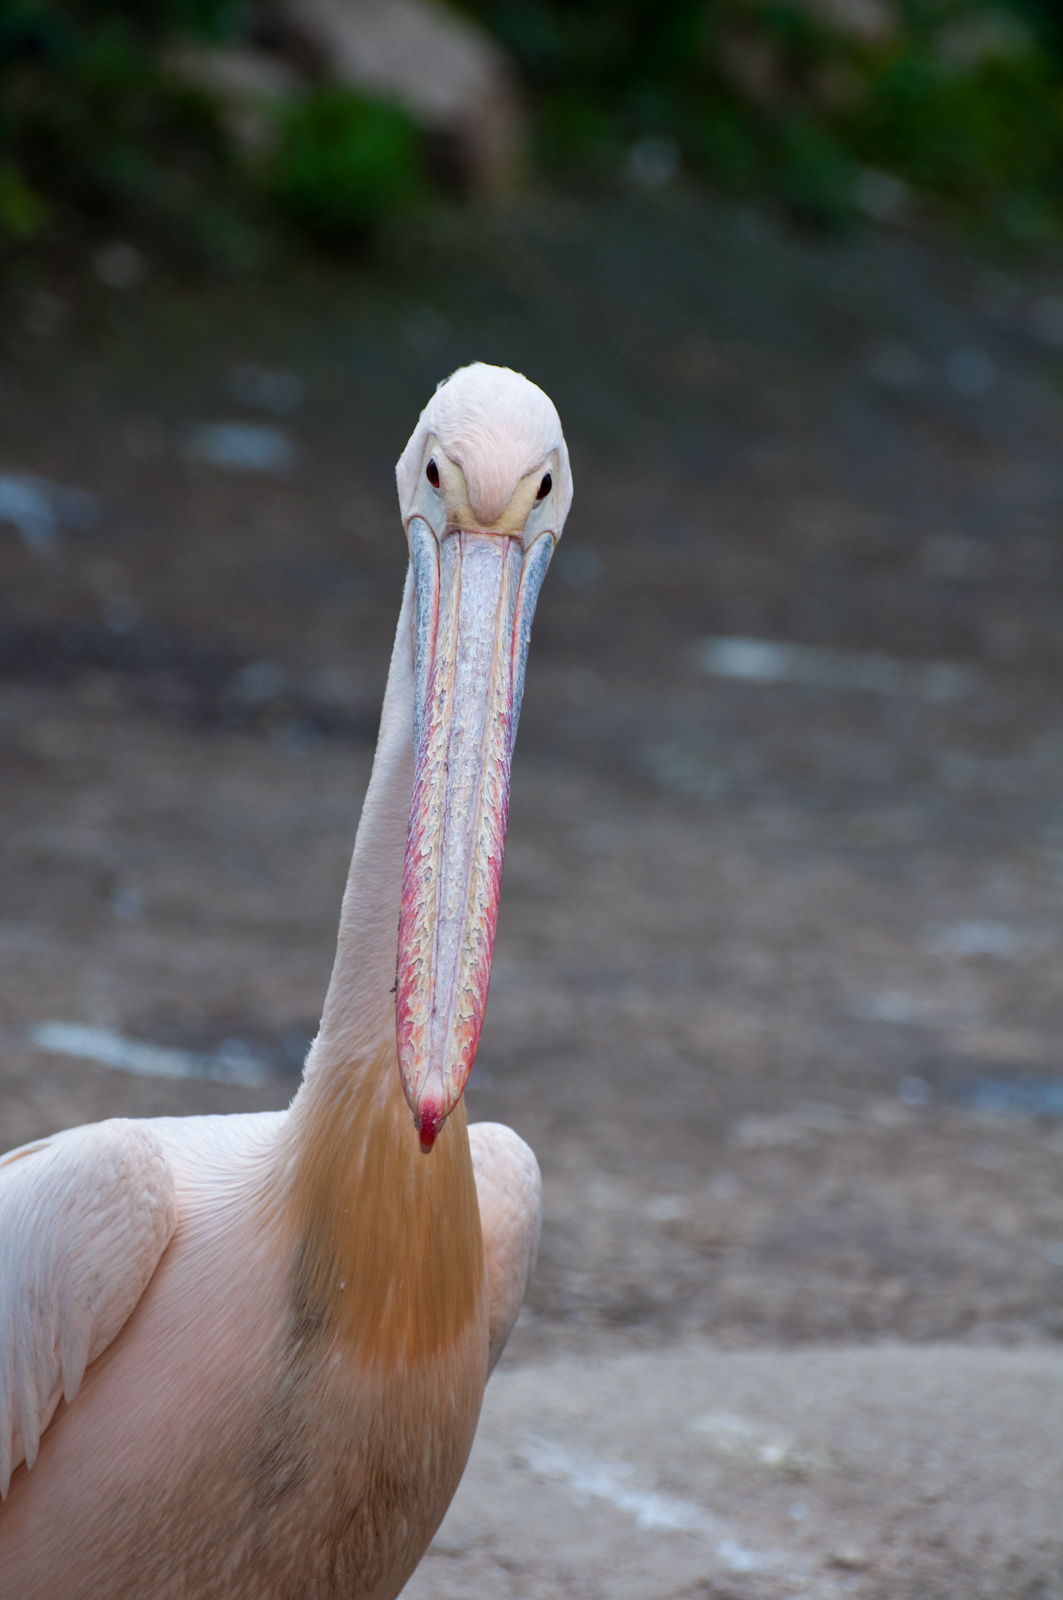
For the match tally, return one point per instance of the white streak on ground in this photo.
(615, 1482)
(111, 1049)
(816, 667)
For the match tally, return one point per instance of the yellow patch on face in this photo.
(461, 514)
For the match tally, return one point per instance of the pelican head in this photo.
(484, 487)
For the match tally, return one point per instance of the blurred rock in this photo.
(120, 266)
(988, 36)
(752, 66)
(449, 76)
(40, 510)
(1021, 1095)
(757, 68)
(870, 21)
(242, 447)
(850, 1557)
(882, 196)
(819, 667)
(127, 904)
(896, 1007)
(1046, 319)
(757, 1444)
(836, 87)
(787, 1129)
(982, 938)
(971, 373)
(654, 161)
(45, 313)
(249, 82)
(282, 393)
(24, 503)
(258, 684)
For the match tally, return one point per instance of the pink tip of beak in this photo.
(428, 1125)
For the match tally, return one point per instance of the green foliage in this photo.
(344, 164)
(967, 134)
(982, 129)
(99, 131)
(92, 124)
(23, 213)
(962, 99)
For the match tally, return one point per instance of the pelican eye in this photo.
(431, 472)
(545, 487)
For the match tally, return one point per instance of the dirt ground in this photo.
(777, 991)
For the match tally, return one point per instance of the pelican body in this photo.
(243, 1357)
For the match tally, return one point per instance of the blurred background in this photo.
(777, 992)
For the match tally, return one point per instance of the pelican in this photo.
(243, 1357)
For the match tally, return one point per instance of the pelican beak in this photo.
(476, 595)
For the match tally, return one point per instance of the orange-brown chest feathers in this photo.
(382, 1361)
(387, 1254)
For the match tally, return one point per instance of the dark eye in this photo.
(545, 487)
(431, 472)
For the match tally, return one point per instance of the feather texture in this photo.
(510, 1191)
(84, 1219)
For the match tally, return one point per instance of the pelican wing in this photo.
(84, 1218)
(510, 1191)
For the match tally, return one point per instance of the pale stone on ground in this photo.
(819, 1472)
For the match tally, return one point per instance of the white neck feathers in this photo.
(358, 1021)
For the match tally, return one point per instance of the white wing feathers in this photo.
(510, 1191)
(84, 1218)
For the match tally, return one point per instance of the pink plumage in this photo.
(243, 1357)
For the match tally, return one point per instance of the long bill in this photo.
(476, 595)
